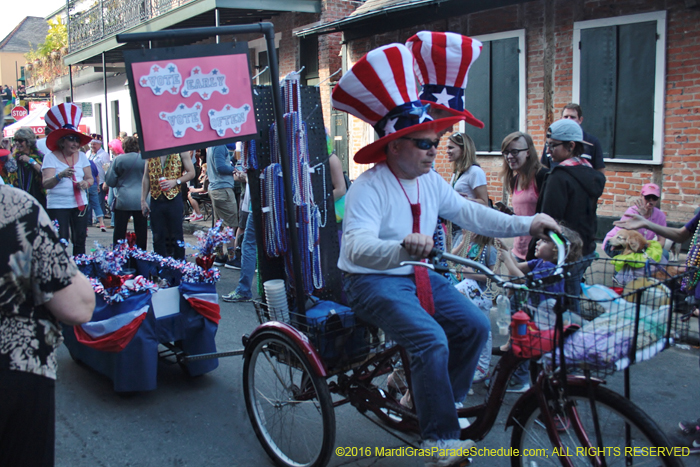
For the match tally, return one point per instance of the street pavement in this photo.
(202, 421)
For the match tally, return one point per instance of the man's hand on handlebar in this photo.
(541, 224)
(418, 245)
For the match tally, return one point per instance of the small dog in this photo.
(630, 241)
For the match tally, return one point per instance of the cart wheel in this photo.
(289, 406)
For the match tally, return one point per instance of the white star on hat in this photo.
(389, 127)
(443, 98)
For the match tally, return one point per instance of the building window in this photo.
(495, 91)
(618, 79)
(264, 78)
(98, 118)
(308, 58)
(258, 58)
(116, 127)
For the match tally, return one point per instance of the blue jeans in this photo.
(110, 199)
(444, 348)
(94, 203)
(248, 258)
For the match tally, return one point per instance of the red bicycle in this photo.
(567, 418)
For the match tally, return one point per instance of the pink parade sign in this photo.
(191, 97)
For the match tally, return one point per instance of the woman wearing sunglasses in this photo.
(647, 207)
(468, 178)
(29, 164)
(67, 174)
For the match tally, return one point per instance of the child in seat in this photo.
(544, 264)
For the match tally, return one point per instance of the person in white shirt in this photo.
(67, 175)
(391, 211)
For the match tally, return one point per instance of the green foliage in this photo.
(56, 39)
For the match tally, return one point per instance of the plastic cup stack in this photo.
(276, 297)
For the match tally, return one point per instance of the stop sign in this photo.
(19, 112)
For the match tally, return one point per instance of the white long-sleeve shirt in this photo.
(378, 218)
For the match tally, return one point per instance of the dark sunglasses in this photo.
(424, 143)
(72, 138)
(651, 198)
(20, 141)
(457, 136)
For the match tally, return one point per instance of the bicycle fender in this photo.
(306, 348)
(530, 397)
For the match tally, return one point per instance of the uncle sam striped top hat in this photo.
(442, 62)
(63, 120)
(380, 89)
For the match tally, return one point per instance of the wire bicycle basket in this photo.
(618, 319)
(340, 339)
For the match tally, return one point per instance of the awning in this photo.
(35, 121)
(380, 16)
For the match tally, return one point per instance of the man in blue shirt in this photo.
(223, 200)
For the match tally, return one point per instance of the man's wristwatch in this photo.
(178, 182)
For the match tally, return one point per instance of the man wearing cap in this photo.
(570, 192)
(390, 214)
(645, 206)
(592, 150)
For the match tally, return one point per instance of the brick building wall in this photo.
(329, 45)
(549, 62)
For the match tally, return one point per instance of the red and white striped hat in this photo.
(380, 89)
(63, 120)
(442, 62)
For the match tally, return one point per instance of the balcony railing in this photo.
(110, 17)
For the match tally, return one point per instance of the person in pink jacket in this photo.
(645, 206)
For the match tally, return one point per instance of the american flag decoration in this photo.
(66, 115)
(442, 62)
(63, 120)
(380, 89)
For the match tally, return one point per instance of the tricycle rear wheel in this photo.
(289, 406)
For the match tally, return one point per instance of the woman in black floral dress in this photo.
(40, 285)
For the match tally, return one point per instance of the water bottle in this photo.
(503, 314)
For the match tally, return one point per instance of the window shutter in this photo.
(617, 88)
(599, 84)
(634, 121)
(477, 100)
(504, 90)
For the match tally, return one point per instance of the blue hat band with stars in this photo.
(449, 96)
(403, 116)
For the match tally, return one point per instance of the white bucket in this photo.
(276, 297)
